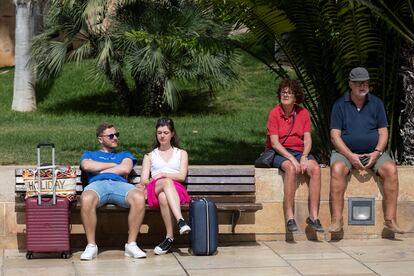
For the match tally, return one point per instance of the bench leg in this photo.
(234, 219)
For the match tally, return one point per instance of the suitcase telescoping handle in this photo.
(40, 167)
(45, 145)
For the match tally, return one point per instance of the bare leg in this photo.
(289, 182)
(388, 173)
(337, 190)
(166, 214)
(167, 186)
(136, 201)
(89, 201)
(314, 172)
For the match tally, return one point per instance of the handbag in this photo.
(265, 159)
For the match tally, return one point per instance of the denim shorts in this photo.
(110, 191)
(279, 159)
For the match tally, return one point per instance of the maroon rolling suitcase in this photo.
(47, 218)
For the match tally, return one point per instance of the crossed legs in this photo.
(169, 204)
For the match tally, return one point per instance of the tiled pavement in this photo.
(345, 257)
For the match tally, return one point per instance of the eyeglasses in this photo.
(361, 83)
(112, 135)
(286, 92)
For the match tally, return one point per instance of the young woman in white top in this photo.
(163, 171)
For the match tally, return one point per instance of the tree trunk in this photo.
(407, 121)
(151, 98)
(24, 97)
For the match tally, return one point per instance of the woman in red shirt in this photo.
(289, 134)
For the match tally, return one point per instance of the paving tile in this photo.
(302, 250)
(40, 271)
(262, 271)
(232, 257)
(380, 253)
(379, 250)
(15, 263)
(331, 267)
(113, 262)
(393, 268)
(371, 242)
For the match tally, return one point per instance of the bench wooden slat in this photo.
(229, 198)
(221, 206)
(219, 180)
(232, 198)
(220, 188)
(219, 171)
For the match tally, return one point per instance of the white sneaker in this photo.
(132, 250)
(91, 251)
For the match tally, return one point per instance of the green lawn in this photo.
(230, 129)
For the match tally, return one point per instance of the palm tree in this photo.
(24, 98)
(161, 44)
(74, 31)
(168, 43)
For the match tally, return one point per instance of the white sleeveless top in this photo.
(159, 165)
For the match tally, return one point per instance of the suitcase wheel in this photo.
(66, 254)
(29, 255)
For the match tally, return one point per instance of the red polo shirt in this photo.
(278, 124)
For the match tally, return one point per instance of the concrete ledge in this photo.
(269, 183)
(264, 225)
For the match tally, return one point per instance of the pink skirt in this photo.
(152, 197)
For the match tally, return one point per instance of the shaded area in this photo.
(104, 103)
(220, 151)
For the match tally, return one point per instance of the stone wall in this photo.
(360, 184)
(266, 224)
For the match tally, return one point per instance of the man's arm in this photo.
(122, 169)
(95, 167)
(344, 150)
(382, 143)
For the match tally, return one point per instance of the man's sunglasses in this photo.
(112, 135)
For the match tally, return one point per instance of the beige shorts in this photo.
(336, 156)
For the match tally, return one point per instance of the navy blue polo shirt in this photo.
(359, 129)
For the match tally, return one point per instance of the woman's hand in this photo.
(140, 187)
(296, 164)
(303, 163)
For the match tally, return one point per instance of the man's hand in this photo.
(354, 159)
(373, 157)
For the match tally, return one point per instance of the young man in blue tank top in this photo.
(108, 171)
(359, 134)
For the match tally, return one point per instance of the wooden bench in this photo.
(232, 189)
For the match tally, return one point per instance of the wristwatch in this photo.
(379, 151)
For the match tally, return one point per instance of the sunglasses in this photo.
(112, 135)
